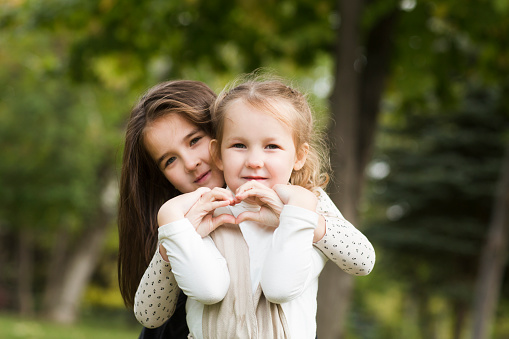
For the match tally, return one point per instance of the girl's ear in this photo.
(215, 154)
(302, 154)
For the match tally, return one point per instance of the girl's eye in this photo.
(272, 146)
(238, 146)
(194, 141)
(170, 161)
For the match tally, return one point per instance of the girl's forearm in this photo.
(290, 260)
(199, 268)
(157, 294)
(342, 243)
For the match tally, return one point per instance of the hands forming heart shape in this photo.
(199, 206)
(201, 213)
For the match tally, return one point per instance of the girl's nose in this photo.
(254, 160)
(191, 164)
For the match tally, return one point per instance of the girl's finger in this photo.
(222, 219)
(211, 196)
(209, 224)
(187, 200)
(217, 194)
(264, 216)
(248, 215)
(250, 185)
(211, 206)
(266, 197)
(256, 192)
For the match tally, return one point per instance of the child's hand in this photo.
(176, 208)
(201, 213)
(270, 204)
(296, 196)
(198, 207)
(301, 197)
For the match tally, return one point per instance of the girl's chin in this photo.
(212, 182)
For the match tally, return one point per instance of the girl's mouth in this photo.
(255, 178)
(202, 177)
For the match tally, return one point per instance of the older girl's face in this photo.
(181, 151)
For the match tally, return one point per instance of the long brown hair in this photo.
(143, 187)
(287, 105)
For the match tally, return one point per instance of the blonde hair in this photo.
(291, 108)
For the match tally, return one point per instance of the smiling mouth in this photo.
(202, 177)
(255, 178)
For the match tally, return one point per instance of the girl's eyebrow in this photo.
(160, 160)
(193, 132)
(188, 135)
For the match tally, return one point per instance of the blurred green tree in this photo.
(58, 172)
(438, 197)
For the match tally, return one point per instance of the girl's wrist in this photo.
(307, 201)
(296, 196)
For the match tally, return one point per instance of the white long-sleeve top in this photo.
(282, 260)
(346, 246)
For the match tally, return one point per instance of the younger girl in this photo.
(264, 146)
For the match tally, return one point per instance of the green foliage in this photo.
(55, 137)
(59, 145)
(441, 44)
(173, 36)
(43, 160)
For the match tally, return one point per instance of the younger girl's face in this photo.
(257, 146)
(181, 151)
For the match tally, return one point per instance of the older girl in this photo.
(147, 182)
(264, 141)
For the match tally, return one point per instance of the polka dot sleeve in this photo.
(157, 294)
(342, 243)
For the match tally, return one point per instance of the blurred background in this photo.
(413, 95)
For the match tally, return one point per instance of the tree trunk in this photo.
(56, 268)
(355, 106)
(379, 47)
(460, 317)
(78, 271)
(493, 259)
(335, 286)
(25, 272)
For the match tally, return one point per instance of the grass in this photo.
(13, 327)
